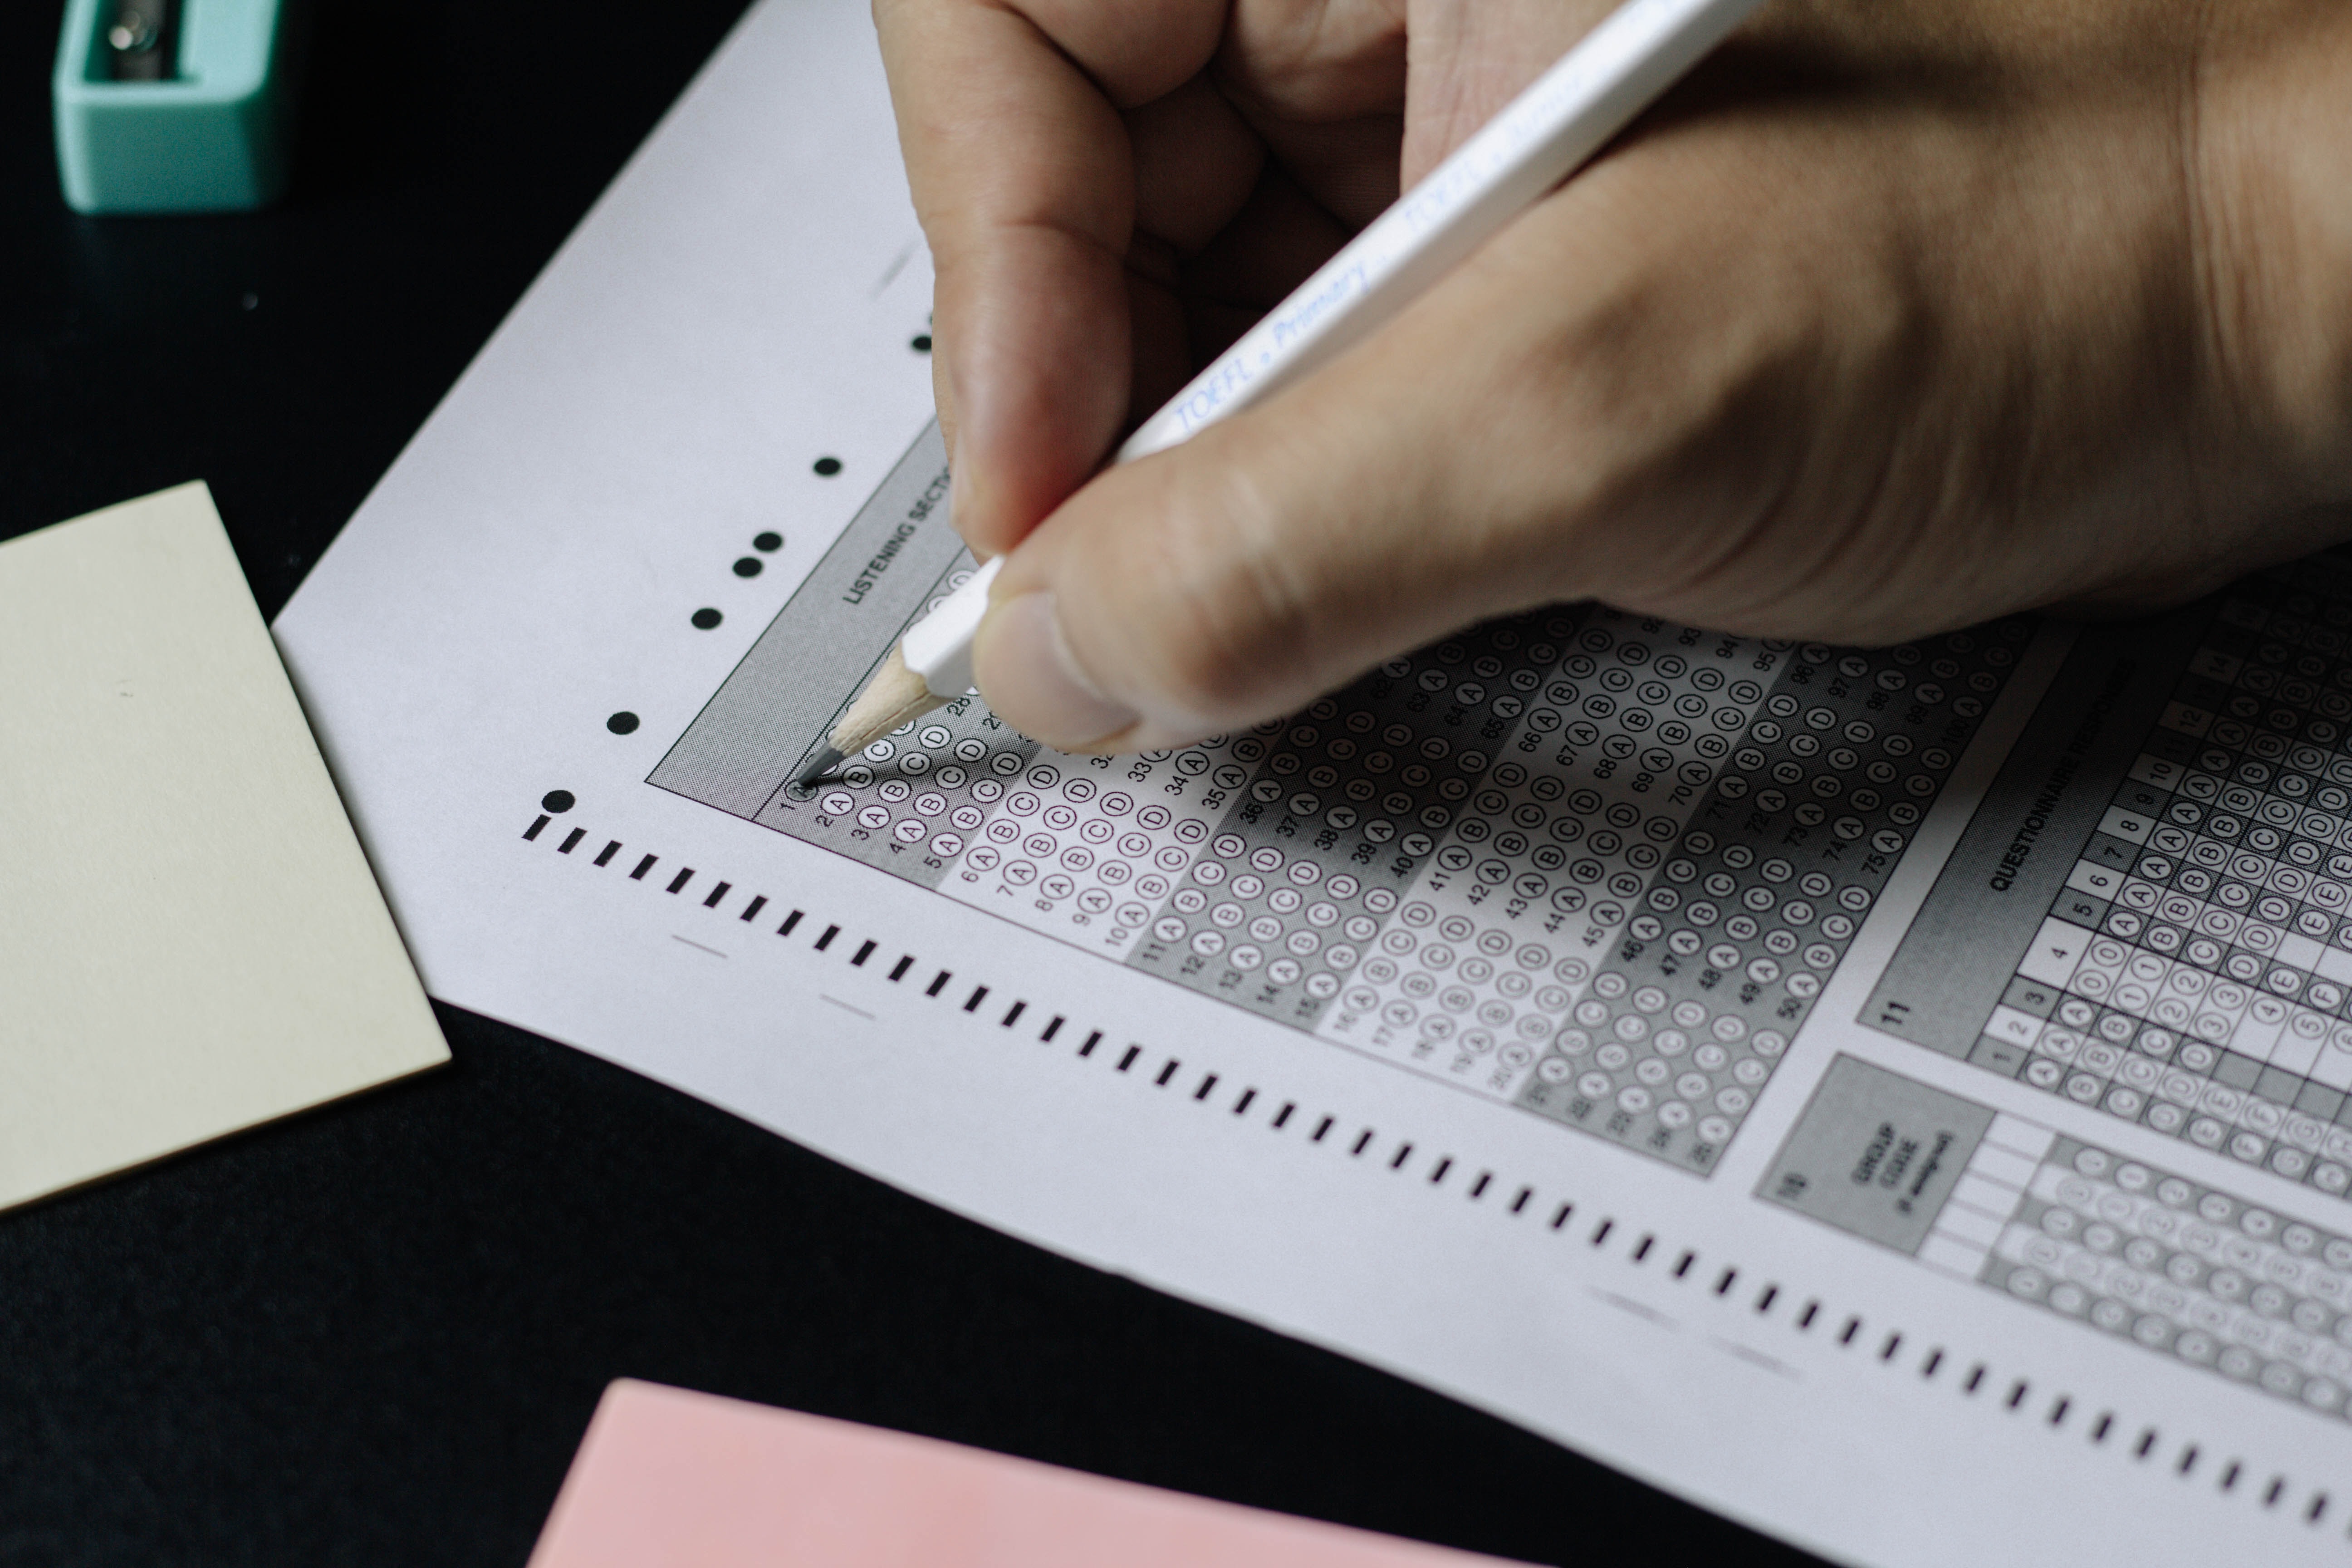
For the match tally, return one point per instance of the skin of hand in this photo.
(1896, 316)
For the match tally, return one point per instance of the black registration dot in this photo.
(767, 543)
(748, 567)
(556, 802)
(922, 344)
(827, 467)
(707, 618)
(622, 723)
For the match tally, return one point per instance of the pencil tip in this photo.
(823, 762)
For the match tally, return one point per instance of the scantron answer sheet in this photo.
(1895, 1098)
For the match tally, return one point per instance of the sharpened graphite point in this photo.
(823, 762)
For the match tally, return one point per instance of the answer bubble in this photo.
(707, 619)
(767, 543)
(749, 566)
(622, 723)
(556, 802)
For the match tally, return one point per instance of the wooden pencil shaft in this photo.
(893, 697)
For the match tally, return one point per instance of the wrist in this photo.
(2271, 176)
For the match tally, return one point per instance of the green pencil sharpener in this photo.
(174, 106)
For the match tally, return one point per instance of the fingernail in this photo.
(960, 517)
(959, 502)
(1032, 678)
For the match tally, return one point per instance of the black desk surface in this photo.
(374, 1334)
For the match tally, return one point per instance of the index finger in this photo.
(1024, 179)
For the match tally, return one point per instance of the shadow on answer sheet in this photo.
(1592, 865)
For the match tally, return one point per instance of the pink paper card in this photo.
(668, 1479)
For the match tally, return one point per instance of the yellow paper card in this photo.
(191, 941)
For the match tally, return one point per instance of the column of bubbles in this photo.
(1543, 865)
(2184, 1271)
(1737, 933)
(915, 801)
(2195, 973)
(1095, 850)
(1348, 807)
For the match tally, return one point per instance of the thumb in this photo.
(1267, 560)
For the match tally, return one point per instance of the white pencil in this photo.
(1538, 139)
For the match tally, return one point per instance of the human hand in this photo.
(1898, 316)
